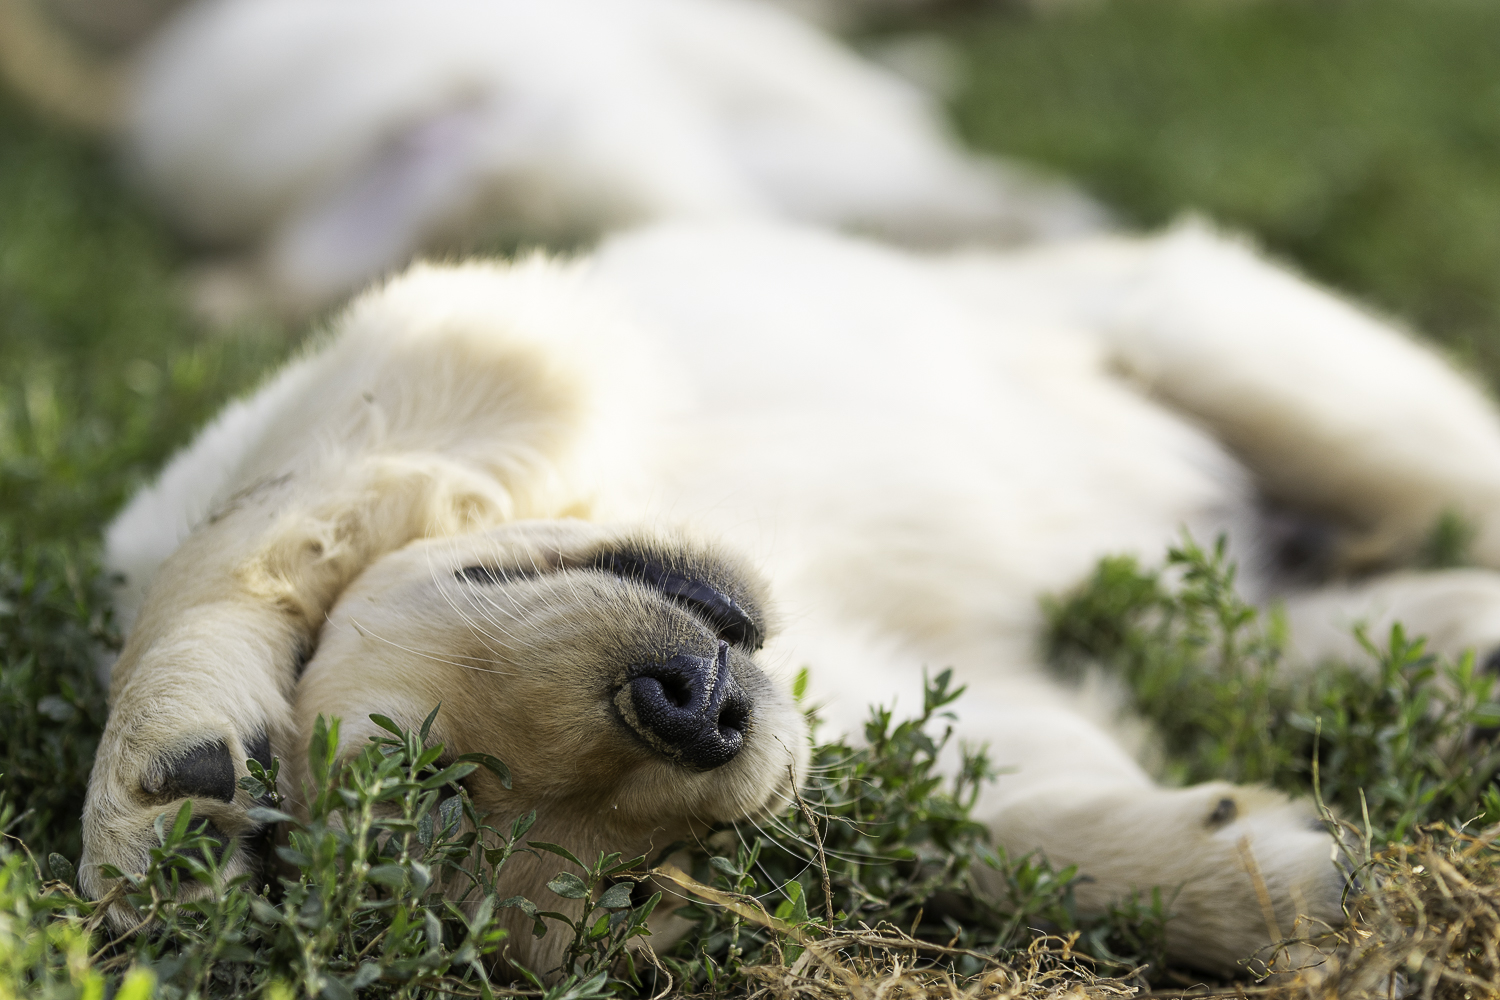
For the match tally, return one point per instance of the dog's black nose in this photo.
(690, 708)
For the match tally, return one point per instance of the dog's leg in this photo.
(438, 409)
(1241, 868)
(1455, 610)
(1336, 411)
(1069, 788)
(206, 677)
(1333, 409)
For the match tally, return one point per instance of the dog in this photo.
(601, 508)
(317, 146)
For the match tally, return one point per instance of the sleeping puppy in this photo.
(600, 508)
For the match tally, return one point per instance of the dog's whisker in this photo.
(423, 654)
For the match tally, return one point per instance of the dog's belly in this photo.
(912, 476)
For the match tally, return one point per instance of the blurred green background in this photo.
(1358, 138)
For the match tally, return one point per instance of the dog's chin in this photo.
(526, 874)
(590, 834)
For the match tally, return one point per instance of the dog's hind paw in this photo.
(1247, 874)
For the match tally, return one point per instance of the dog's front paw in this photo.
(149, 769)
(1244, 870)
(195, 694)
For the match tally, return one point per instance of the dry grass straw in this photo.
(1425, 927)
(886, 963)
(883, 963)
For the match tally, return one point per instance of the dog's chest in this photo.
(849, 423)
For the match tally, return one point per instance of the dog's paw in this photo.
(137, 779)
(1259, 876)
(195, 694)
(1244, 871)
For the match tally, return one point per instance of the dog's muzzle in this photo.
(690, 709)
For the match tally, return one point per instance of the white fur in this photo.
(912, 449)
(343, 135)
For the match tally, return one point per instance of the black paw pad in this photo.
(1225, 812)
(205, 771)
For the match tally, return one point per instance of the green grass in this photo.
(102, 371)
(1390, 741)
(102, 375)
(1358, 137)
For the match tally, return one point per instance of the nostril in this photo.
(679, 685)
(735, 715)
(691, 709)
(677, 691)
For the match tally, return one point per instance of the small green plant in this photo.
(1449, 542)
(392, 884)
(366, 910)
(45, 943)
(53, 627)
(1400, 738)
(880, 837)
(599, 943)
(390, 888)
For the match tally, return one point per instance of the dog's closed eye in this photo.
(688, 588)
(492, 574)
(731, 621)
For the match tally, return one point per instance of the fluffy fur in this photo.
(910, 450)
(319, 145)
(340, 137)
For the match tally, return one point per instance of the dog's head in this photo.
(613, 672)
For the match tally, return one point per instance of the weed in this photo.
(890, 836)
(1400, 737)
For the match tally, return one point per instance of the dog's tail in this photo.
(56, 73)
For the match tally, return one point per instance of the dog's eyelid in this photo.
(729, 621)
(732, 622)
(493, 574)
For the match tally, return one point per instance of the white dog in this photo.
(327, 142)
(533, 492)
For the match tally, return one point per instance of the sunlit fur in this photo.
(909, 451)
(526, 669)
